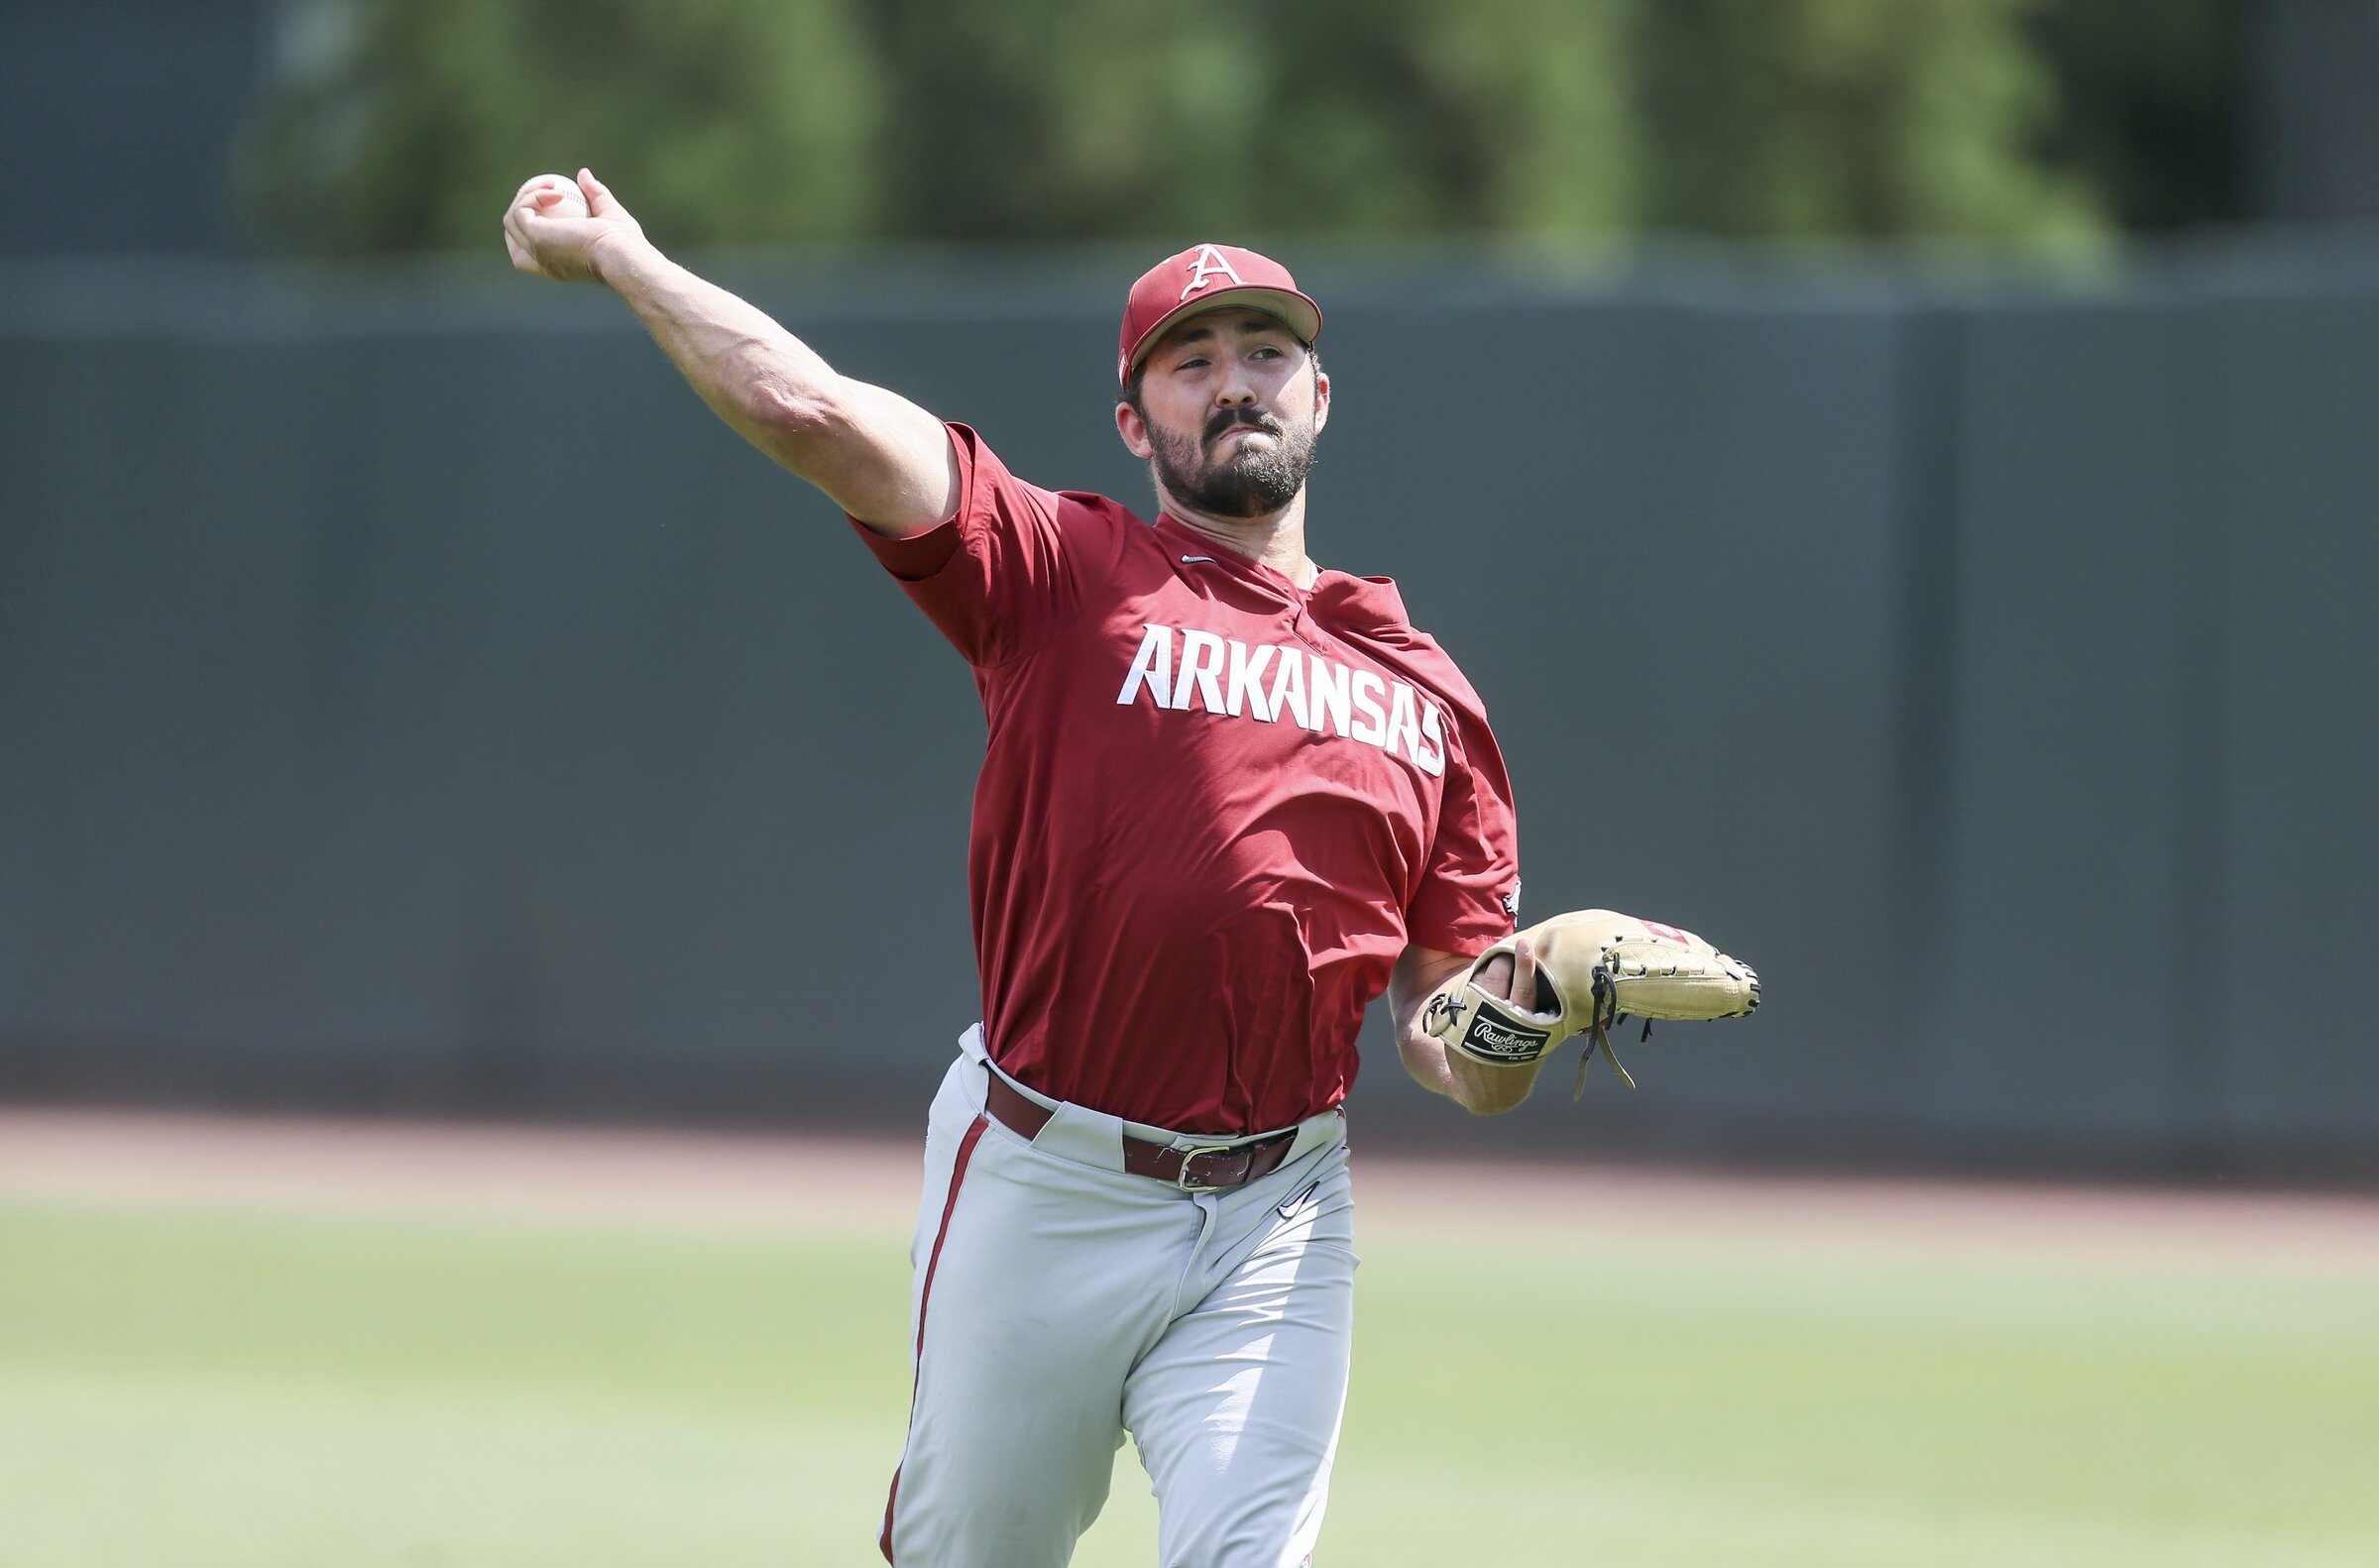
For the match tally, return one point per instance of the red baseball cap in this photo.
(1208, 278)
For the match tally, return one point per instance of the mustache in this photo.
(1230, 418)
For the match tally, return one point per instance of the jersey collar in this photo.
(1341, 598)
(1190, 547)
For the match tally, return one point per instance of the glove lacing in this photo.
(1598, 1037)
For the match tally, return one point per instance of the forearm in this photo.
(1477, 1087)
(1482, 1088)
(877, 455)
(773, 389)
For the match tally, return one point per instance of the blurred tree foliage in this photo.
(2156, 106)
(1859, 117)
(404, 124)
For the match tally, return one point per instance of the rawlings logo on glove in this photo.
(1594, 968)
(1490, 1039)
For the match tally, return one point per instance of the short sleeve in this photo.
(1004, 575)
(1469, 893)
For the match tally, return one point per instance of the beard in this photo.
(1243, 481)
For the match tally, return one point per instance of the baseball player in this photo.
(1228, 796)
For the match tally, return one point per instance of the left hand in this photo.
(1510, 976)
(1600, 965)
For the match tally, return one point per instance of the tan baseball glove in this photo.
(1594, 968)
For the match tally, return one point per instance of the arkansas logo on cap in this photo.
(1208, 278)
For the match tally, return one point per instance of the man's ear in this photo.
(1134, 430)
(1321, 397)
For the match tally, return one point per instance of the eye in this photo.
(1193, 362)
(1266, 351)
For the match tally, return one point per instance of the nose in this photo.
(1238, 389)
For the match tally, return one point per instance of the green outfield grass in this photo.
(205, 1390)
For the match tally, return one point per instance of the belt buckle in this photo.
(1186, 1177)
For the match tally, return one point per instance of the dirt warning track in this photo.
(808, 1182)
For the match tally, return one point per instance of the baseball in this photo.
(574, 201)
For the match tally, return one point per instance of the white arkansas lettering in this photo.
(1246, 684)
(1151, 667)
(1202, 662)
(1226, 677)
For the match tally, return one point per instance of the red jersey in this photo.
(1214, 805)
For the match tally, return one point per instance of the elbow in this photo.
(792, 417)
(809, 430)
(785, 396)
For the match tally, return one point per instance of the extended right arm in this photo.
(877, 455)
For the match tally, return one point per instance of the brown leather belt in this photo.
(1191, 1170)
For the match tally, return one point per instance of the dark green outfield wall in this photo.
(410, 697)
